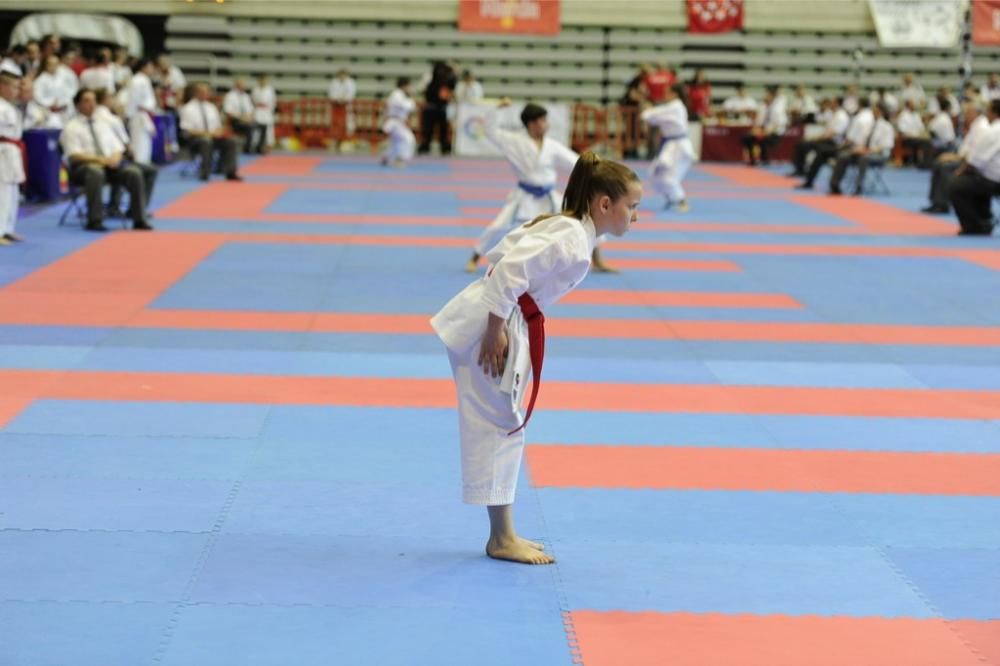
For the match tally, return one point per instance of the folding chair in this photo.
(74, 205)
(874, 182)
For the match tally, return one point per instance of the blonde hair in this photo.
(593, 176)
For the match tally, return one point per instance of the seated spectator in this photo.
(876, 149)
(857, 135)
(912, 92)
(914, 134)
(882, 96)
(850, 100)
(238, 108)
(741, 107)
(803, 108)
(827, 142)
(991, 89)
(769, 127)
(974, 185)
(95, 156)
(934, 105)
(202, 128)
(947, 164)
(941, 133)
(109, 112)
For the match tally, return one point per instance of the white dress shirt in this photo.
(909, 123)
(237, 103)
(342, 90)
(977, 130)
(198, 116)
(882, 138)
(77, 139)
(985, 155)
(860, 127)
(837, 124)
(942, 130)
(468, 92)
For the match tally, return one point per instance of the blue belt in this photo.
(667, 139)
(535, 190)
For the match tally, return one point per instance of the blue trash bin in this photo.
(44, 162)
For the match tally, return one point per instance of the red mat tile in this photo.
(617, 638)
(765, 470)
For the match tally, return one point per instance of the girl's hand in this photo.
(493, 350)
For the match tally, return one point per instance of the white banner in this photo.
(470, 126)
(918, 23)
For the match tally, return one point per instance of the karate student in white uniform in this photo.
(11, 165)
(494, 335)
(264, 103)
(398, 108)
(52, 95)
(676, 152)
(140, 110)
(536, 160)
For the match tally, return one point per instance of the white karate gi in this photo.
(676, 152)
(50, 93)
(264, 103)
(545, 260)
(11, 167)
(139, 111)
(535, 167)
(402, 143)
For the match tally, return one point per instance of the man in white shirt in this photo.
(856, 135)
(947, 164)
(770, 126)
(875, 150)
(825, 144)
(170, 79)
(238, 108)
(941, 133)
(849, 100)
(974, 185)
(95, 156)
(468, 90)
(342, 91)
(803, 107)
(740, 106)
(934, 105)
(99, 75)
(202, 128)
(991, 89)
(107, 112)
(912, 92)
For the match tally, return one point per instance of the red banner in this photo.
(533, 17)
(986, 22)
(715, 15)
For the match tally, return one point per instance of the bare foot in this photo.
(517, 551)
(602, 267)
(534, 544)
(471, 266)
(683, 206)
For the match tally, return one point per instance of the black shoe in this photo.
(835, 191)
(142, 226)
(935, 209)
(795, 174)
(203, 176)
(95, 226)
(235, 177)
(804, 186)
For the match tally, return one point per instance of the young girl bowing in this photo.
(494, 332)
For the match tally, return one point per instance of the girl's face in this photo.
(615, 217)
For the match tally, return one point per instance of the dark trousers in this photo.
(845, 158)
(823, 153)
(149, 173)
(253, 133)
(765, 142)
(916, 147)
(93, 177)
(972, 195)
(803, 148)
(942, 173)
(434, 119)
(204, 147)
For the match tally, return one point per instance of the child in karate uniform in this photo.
(11, 161)
(535, 159)
(398, 108)
(676, 152)
(494, 333)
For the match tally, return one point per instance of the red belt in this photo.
(536, 347)
(24, 151)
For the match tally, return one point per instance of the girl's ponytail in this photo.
(576, 200)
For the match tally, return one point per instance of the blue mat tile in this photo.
(960, 583)
(156, 419)
(111, 504)
(831, 375)
(83, 634)
(343, 201)
(202, 339)
(41, 357)
(57, 336)
(769, 518)
(85, 456)
(702, 578)
(97, 566)
(431, 572)
(260, 636)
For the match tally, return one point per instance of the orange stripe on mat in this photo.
(748, 177)
(10, 407)
(695, 468)
(282, 165)
(224, 201)
(707, 265)
(380, 392)
(105, 282)
(614, 638)
(679, 299)
(878, 218)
